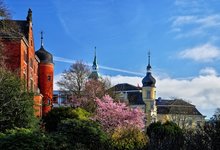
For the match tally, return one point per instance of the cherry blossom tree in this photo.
(112, 115)
(96, 88)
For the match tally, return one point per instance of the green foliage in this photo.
(212, 128)
(84, 133)
(16, 104)
(23, 139)
(197, 139)
(56, 115)
(81, 114)
(128, 139)
(165, 136)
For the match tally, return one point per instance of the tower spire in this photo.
(94, 75)
(148, 57)
(148, 66)
(42, 44)
(95, 66)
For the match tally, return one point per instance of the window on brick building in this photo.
(25, 80)
(49, 78)
(31, 63)
(32, 85)
(24, 75)
(25, 55)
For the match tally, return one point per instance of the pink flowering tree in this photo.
(114, 115)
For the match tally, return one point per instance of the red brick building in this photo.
(33, 68)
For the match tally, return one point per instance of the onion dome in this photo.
(149, 80)
(42, 54)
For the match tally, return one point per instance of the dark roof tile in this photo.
(124, 87)
(177, 106)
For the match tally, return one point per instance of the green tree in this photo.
(129, 139)
(23, 139)
(56, 115)
(85, 134)
(16, 104)
(212, 128)
(197, 139)
(4, 17)
(165, 136)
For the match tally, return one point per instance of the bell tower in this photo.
(149, 95)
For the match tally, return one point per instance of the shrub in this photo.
(128, 139)
(23, 139)
(84, 133)
(197, 139)
(56, 115)
(165, 136)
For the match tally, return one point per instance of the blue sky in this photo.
(182, 35)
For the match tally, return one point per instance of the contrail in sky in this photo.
(65, 60)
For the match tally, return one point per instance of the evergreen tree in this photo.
(16, 104)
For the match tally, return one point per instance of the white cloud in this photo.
(194, 25)
(209, 21)
(208, 71)
(186, 3)
(181, 20)
(202, 21)
(133, 80)
(206, 52)
(57, 77)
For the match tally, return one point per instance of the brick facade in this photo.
(46, 85)
(21, 59)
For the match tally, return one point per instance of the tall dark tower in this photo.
(149, 94)
(45, 77)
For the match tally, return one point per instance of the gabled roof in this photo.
(176, 106)
(124, 87)
(177, 102)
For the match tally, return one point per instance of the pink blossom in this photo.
(112, 114)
